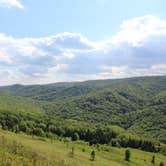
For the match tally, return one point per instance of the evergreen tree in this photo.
(153, 159)
(93, 155)
(127, 155)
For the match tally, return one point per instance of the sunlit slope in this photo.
(18, 150)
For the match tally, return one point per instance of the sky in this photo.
(59, 40)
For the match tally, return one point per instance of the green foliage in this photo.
(38, 132)
(93, 155)
(20, 149)
(71, 154)
(127, 155)
(119, 112)
(161, 164)
(153, 159)
(75, 137)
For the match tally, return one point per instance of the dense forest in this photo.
(123, 113)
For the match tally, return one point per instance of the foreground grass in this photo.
(23, 150)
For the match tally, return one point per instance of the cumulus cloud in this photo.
(138, 49)
(11, 3)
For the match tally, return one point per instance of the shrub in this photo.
(75, 137)
(83, 150)
(161, 164)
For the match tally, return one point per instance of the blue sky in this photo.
(62, 40)
(95, 19)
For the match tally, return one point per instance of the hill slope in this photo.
(18, 150)
(136, 104)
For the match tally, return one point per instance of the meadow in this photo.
(23, 150)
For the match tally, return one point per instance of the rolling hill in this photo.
(137, 105)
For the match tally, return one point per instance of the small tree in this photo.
(71, 154)
(127, 155)
(93, 155)
(153, 159)
(161, 164)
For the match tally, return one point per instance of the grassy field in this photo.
(23, 150)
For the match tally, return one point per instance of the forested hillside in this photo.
(120, 112)
(52, 92)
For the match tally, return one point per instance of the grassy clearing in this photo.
(23, 150)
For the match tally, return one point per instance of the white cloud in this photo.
(11, 3)
(137, 30)
(4, 58)
(115, 71)
(137, 49)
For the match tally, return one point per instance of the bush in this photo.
(38, 132)
(83, 150)
(161, 164)
(75, 137)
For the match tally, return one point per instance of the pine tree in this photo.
(127, 155)
(153, 159)
(93, 155)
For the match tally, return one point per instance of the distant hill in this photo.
(51, 92)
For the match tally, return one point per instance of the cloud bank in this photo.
(138, 49)
(11, 3)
